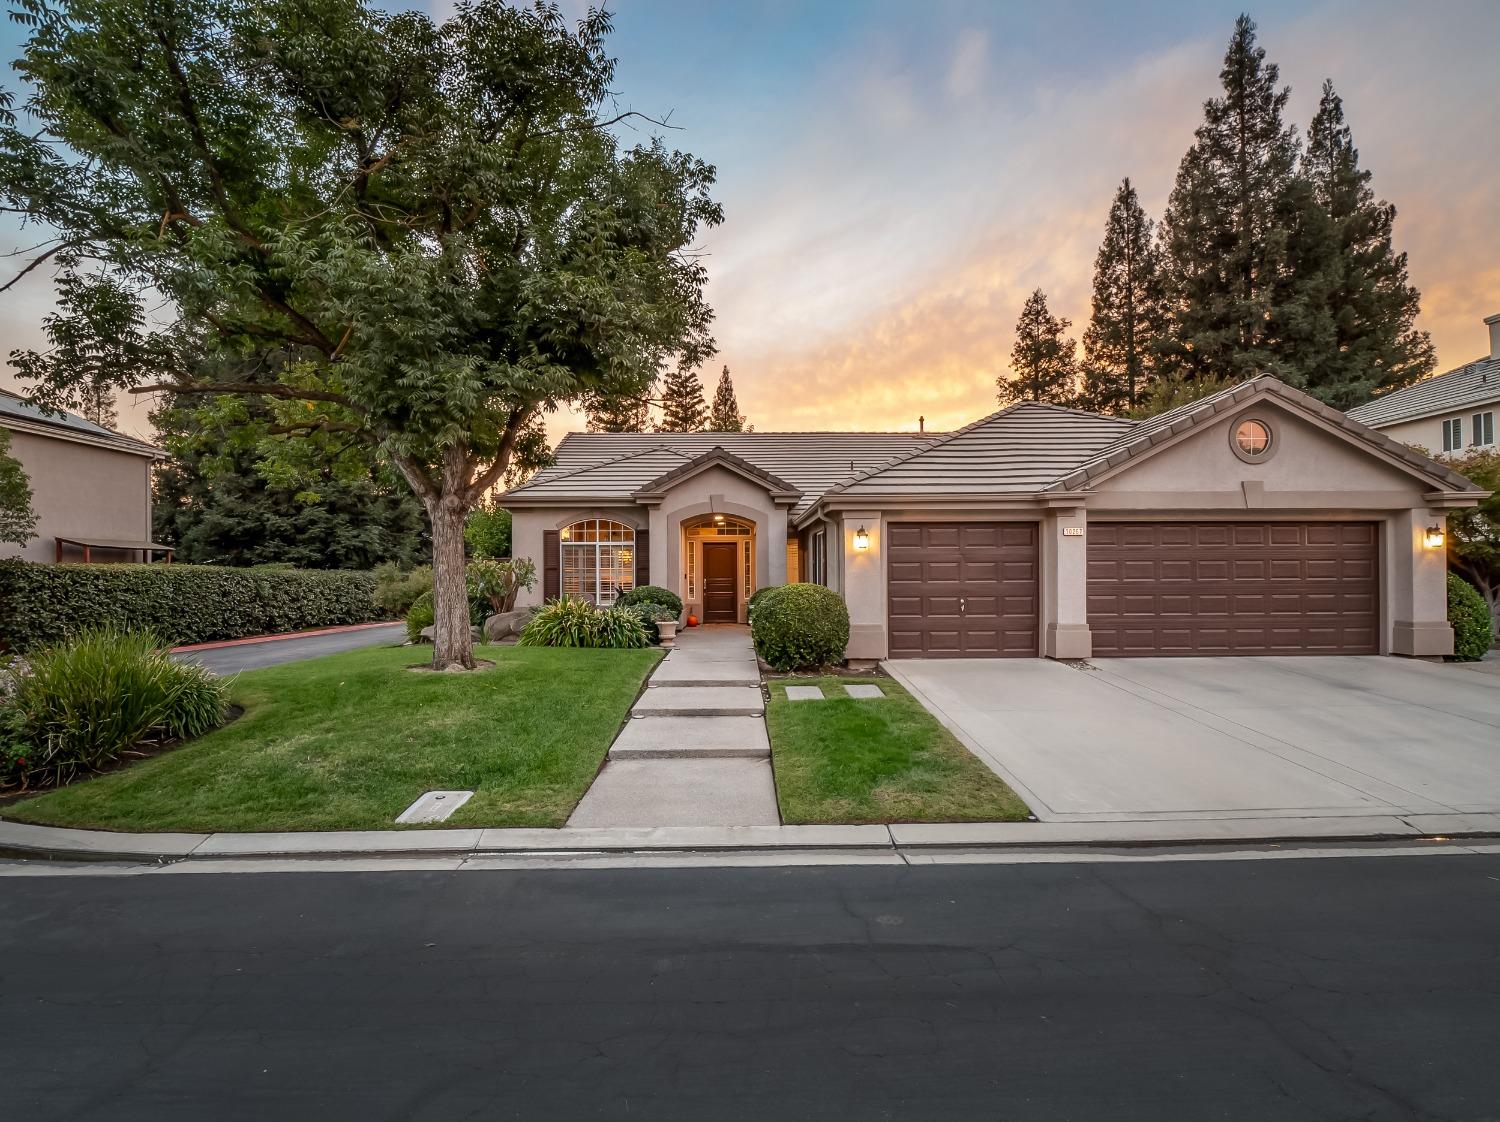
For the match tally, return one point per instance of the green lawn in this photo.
(348, 741)
(876, 760)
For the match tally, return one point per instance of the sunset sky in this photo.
(898, 176)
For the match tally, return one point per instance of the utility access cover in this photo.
(434, 806)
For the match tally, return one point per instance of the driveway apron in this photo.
(1157, 738)
(695, 750)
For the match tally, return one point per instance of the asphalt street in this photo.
(273, 652)
(1294, 989)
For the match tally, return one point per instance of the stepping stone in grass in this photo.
(804, 693)
(864, 691)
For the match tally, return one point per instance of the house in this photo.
(1254, 521)
(90, 487)
(1448, 414)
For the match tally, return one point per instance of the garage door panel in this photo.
(1233, 588)
(966, 589)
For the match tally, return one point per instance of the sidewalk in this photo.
(695, 750)
(20, 839)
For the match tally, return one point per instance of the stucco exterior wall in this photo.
(80, 490)
(717, 490)
(527, 525)
(1427, 432)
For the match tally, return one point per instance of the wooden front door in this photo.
(719, 563)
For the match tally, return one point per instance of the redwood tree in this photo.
(413, 235)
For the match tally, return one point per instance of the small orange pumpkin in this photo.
(692, 621)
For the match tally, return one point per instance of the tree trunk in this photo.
(451, 640)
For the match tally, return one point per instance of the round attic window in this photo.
(1251, 440)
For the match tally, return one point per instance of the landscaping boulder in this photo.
(505, 625)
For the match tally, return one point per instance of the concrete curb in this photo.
(19, 839)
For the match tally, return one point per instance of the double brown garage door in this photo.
(1233, 588)
(971, 589)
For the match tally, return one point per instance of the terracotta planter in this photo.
(667, 631)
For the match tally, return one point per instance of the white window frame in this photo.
(1484, 428)
(1453, 434)
(605, 538)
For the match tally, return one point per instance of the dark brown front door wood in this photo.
(1233, 588)
(718, 582)
(962, 589)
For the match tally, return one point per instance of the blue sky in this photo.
(898, 176)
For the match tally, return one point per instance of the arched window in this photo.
(598, 559)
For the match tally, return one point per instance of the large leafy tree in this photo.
(682, 405)
(216, 502)
(1119, 344)
(1043, 359)
(618, 414)
(1370, 343)
(412, 235)
(1474, 534)
(1225, 236)
(17, 519)
(725, 415)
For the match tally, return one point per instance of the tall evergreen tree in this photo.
(217, 501)
(682, 405)
(98, 405)
(1043, 358)
(725, 416)
(17, 518)
(1370, 342)
(1225, 236)
(1119, 345)
(617, 414)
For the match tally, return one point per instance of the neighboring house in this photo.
(1448, 414)
(1254, 521)
(90, 487)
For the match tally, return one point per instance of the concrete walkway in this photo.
(695, 751)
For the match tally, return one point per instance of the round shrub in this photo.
(652, 594)
(801, 627)
(418, 616)
(758, 596)
(1473, 629)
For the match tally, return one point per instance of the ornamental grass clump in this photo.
(800, 627)
(577, 623)
(81, 706)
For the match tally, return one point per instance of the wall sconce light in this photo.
(1434, 537)
(861, 539)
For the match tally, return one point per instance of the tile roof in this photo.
(1475, 383)
(600, 466)
(1156, 430)
(718, 456)
(1025, 449)
(13, 405)
(1018, 450)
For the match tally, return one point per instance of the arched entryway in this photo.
(720, 565)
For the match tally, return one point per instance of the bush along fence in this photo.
(42, 604)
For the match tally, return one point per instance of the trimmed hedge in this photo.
(1473, 629)
(651, 594)
(757, 596)
(41, 604)
(800, 627)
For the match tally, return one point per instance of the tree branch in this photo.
(35, 261)
(251, 389)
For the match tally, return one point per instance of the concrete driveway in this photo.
(1163, 738)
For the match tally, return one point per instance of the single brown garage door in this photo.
(1233, 588)
(962, 589)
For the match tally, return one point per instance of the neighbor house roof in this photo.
(613, 466)
(21, 415)
(1477, 383)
